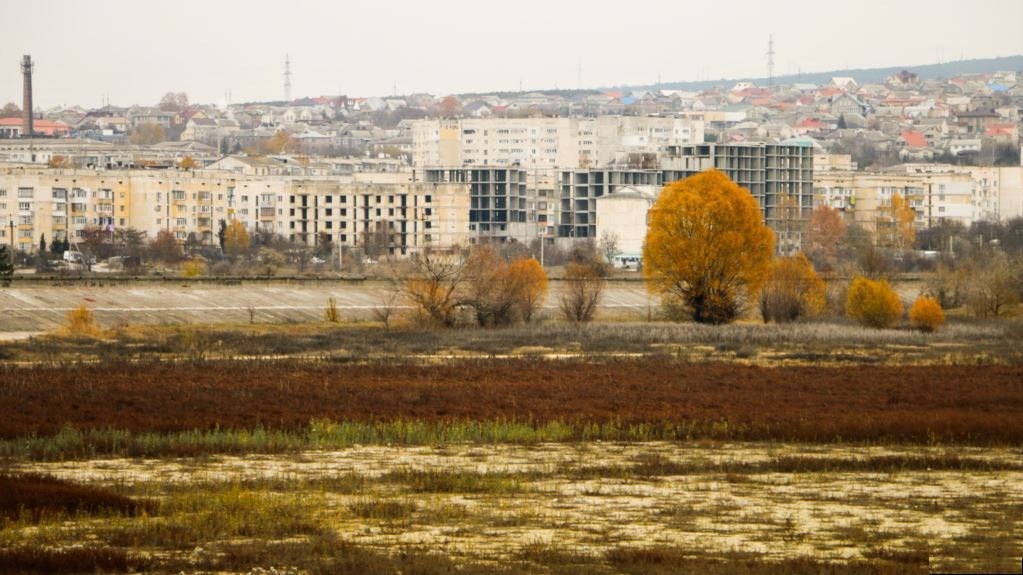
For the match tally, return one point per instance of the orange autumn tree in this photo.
(707, 246)
(793, 290)
(824, 234)
(501, 292)
(531, 280)
(897, 226)
(873, 303)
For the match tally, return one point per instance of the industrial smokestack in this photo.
(26, 70)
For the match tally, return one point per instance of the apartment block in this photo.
(579, 189)
(545, 143)
(937, 192)
(865, 198)
(389, 213)
(779, 176)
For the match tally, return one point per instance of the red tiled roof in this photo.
(47, 127)
(914, 139)
(810, 123)
(1000, 130)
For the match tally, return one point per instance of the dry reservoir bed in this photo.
(549, 507)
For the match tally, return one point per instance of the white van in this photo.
(627, 262)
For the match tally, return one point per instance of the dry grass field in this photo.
(610, 448)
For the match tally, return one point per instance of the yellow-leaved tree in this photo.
(926, 314)
(793, 290)
(707, 247)
(896, 228)
(236, 239)
(873, 303)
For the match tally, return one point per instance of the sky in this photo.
(135, 51)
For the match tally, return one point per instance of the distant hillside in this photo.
(862, 75)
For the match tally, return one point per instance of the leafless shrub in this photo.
(584, 286)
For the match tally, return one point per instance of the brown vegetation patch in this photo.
(977, 404)
(33, 495)
(32, 559)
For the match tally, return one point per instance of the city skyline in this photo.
(133, 53)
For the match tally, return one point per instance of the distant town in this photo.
(393, 176)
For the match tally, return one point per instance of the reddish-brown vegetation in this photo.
(978, 404)
(32, 559)
(33, 496)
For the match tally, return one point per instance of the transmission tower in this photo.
(287, 78)
(770, 60)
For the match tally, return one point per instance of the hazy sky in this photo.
(136, 51)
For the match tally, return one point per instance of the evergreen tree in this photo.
(6, 266)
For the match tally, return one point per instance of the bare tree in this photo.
(994, 285)
(584, 286)
(388, 305)
(610, 246)
(434, 286)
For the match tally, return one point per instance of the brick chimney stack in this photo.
(26, 70)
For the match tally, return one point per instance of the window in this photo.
(330, 225)
(25, 193)
(24, 206)
(329, 212)
(3, 193)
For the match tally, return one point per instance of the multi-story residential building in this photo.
(780, 177)
(865, 198)
(546, 143)
(579, 189)
(937, 192)
(502, 205)
(92, 154)
(389, 212)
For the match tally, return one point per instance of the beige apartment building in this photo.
(545, 143)
(936, 192)
(865, 198)
(390, 211)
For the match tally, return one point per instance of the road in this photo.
(27, 309)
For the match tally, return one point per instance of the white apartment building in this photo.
(545, 143)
